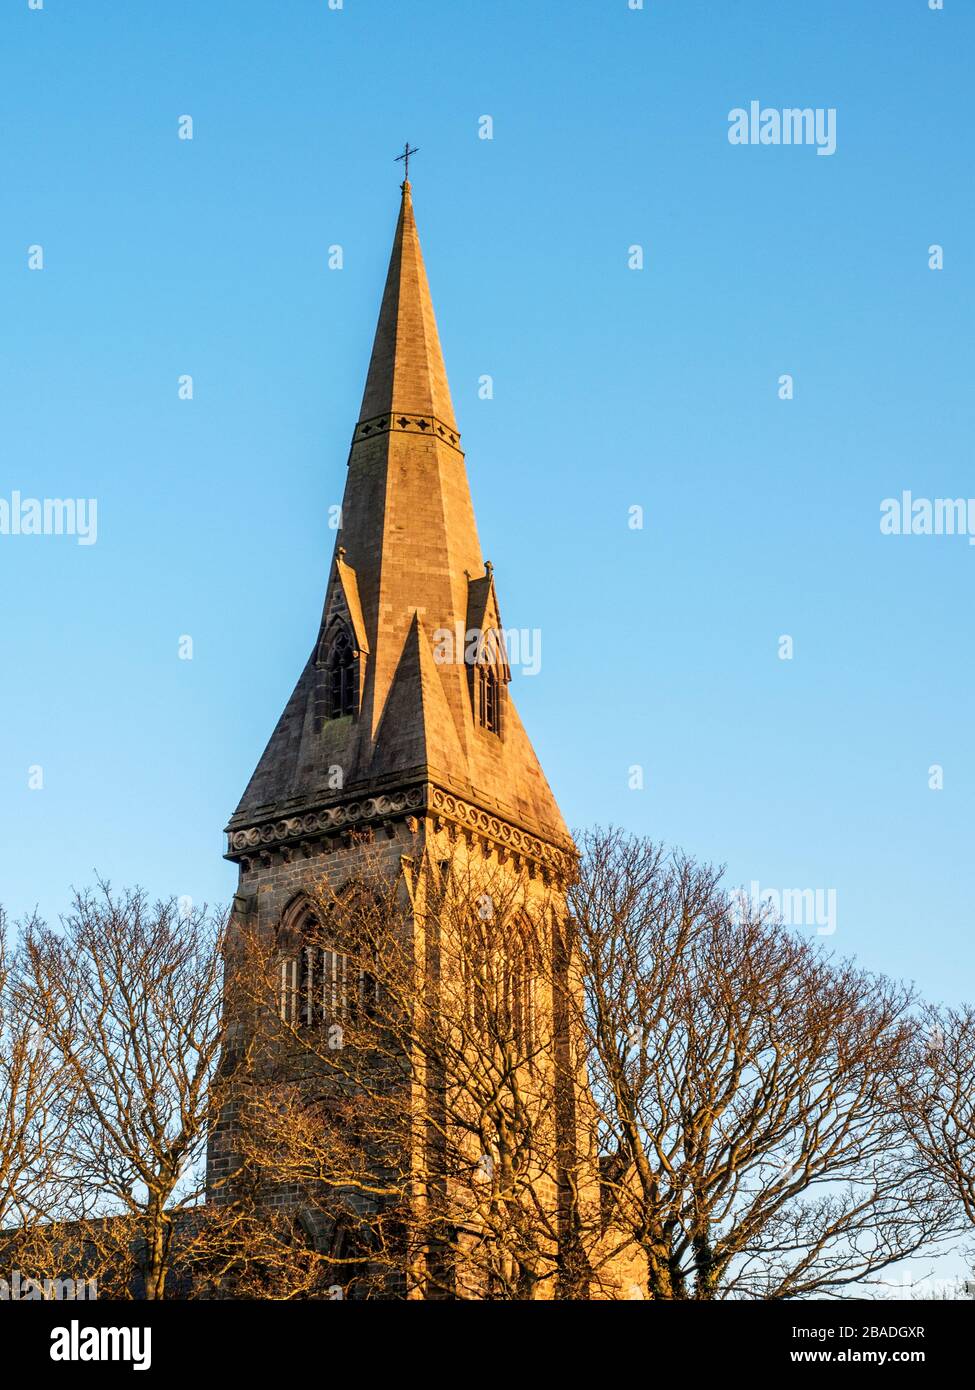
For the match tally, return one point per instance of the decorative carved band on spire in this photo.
(427, 425)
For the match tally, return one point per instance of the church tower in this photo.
(401, 739)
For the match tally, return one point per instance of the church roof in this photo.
(408, 569)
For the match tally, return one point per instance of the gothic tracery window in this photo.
(319, 983)
(341, 674)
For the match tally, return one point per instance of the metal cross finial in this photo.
(405, 157)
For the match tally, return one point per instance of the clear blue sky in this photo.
(613, 388)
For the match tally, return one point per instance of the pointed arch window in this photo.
(487, 686)
(519, 996)
(341, 673)
(318, 981)
(500, 982)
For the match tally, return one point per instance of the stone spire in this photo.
(407, 371)
(408, 567)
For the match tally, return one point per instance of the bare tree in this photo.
(748, 1088)
(444, 1085)
(939, 1101)
(129, 996)
(35, 1106)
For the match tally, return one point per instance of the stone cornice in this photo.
(303, 829)
(500, 831)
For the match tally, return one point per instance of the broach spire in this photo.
(393, 698)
